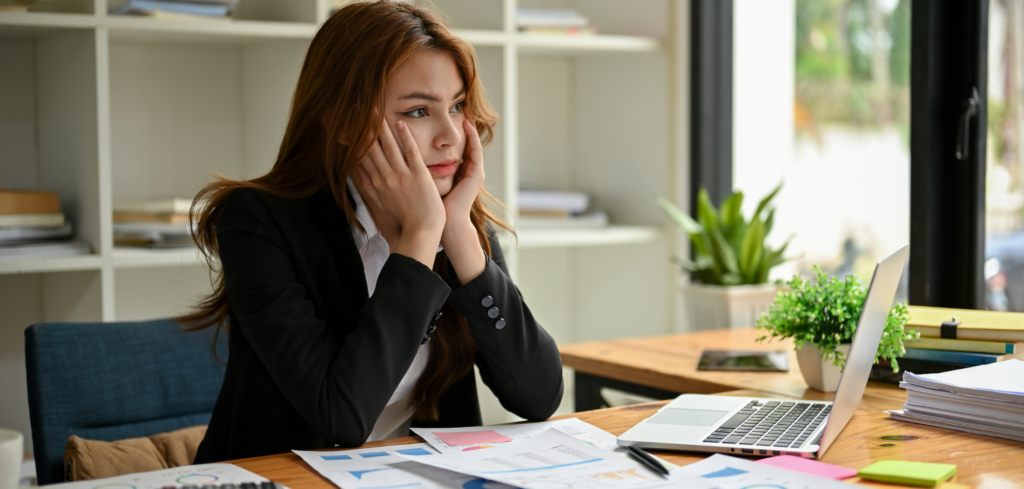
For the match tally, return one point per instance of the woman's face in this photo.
(427, 93)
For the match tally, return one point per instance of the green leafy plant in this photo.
(825, 312)
(728, 249)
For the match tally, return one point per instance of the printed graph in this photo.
(619, 475)
(196, 479)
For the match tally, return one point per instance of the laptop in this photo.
(768, 427)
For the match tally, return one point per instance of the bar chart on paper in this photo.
(385, 468)
(555, 460)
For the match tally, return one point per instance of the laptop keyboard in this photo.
(771, 424)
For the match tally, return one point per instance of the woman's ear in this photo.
(342, 138)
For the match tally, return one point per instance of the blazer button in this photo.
(487, 301)
(492, 312)
(500, 323)
(431, 329)
(437, 316)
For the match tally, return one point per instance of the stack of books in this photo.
(553, 22)
(178, 9)
(982, 338)
(548, 209)
(153, 223)
(32, 225)
(985, 400)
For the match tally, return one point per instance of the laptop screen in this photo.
(854, 379)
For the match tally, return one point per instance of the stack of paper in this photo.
(985, 400)
(178, 9)
(553, 209)
(153, 223)
(32, 225)
(553, 22)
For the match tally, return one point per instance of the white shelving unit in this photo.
(102, 108)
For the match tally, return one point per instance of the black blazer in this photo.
(313, 362)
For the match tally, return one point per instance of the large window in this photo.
(822, 104)
(1004, 195)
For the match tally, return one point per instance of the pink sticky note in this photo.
(808, 466)
(458, 438)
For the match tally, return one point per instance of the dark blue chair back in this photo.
(110, 381)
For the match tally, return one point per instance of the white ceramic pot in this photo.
(818, 373)
(719, 306)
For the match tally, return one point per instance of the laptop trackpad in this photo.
(687, 417)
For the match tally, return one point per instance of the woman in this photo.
(360, 277)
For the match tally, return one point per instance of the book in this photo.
(960, 357)
(529, 17)
(31, 220)
(19, 235)
(974, 325)
(44, 248)
(976, 346)
(164, 206)
(597, 219)
(148, 7)
(909, 473)
(143, 217)
(28, 202)
(545, 200)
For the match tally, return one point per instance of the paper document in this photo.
(555, 460)
(374, 468)
(730, 472)
(189, 475)
(574, 427)
(580, 430)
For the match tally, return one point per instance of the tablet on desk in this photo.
(756, 361)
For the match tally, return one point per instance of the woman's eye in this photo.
(457, 108)
(417, 113)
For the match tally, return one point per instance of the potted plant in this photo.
(731, 261)
(821, 317)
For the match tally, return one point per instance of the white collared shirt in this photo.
(394, 421)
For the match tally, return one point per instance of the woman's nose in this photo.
(449, 134)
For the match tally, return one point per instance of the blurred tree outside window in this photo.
(846, 167)
(1004, 194)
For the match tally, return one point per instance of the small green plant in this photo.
(728, 249)
(825, 312)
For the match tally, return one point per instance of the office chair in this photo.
(110, 381)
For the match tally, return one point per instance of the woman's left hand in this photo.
(461, 197)
(459, 238)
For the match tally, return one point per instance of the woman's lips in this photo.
(443, 168)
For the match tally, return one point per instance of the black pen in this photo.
(648, 460)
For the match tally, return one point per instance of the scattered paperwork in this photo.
(574, 427)
(808, 466)
(189, 475)
(985, 400)
(385, 467)
(731, 472)
(554, 459)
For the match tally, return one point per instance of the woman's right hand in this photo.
(403, 187)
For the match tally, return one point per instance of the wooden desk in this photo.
(982, 462)
(662, 367)
(669, 364)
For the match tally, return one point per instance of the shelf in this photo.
(612, 235)
(544, 44)
(33, 25)
(127, 257)
(129, 28)
(50, 264)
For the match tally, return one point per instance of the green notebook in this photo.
(909, 473)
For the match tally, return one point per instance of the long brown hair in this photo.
(343, 78)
